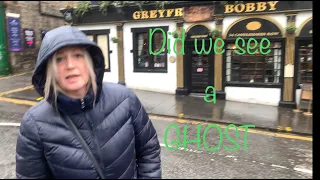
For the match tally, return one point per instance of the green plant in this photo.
(104, 6)
(85, 6)
(291, 29)
(216, 32)
(161, 4)
(175, 34)
(230, 2)
(82, 8)
(114, 39)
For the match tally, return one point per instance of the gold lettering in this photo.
(236, 8)
(261, 6)
(178, 12)
(145, 15)
(228, 8)
(136, 15)
(272, 4)
(250, 7)
(161, 12)
(153, 14)
(169, 12)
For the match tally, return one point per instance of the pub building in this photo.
(271, 79)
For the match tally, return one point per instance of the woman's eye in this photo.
(59, 59)
(78, 55)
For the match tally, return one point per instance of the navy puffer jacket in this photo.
(117, 129)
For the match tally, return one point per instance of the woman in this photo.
(121, 140)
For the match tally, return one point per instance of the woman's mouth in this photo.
(72, 77)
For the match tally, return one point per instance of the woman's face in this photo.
(73, 74)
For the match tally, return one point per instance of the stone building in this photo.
(270, 74)
(36, 17)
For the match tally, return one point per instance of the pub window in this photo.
(101, 38)
(254, 68)
(305, 62)
(144, 61)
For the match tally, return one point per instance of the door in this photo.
(200, 66)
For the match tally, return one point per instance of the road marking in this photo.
(16, 90)
(273, 165)
(18, 101)
(8, 77)
(275, 134)
(9, 124)
(303, 170)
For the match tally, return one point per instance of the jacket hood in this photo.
(59, 38)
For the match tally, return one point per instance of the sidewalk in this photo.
(225, 112)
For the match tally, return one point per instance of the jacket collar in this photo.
(70, 106)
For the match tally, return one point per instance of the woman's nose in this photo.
(70, 62)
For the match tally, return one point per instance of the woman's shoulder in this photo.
(38, 111)
(117, 91)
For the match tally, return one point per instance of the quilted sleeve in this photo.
(30, 160)
(147, 143)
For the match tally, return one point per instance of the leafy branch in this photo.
(85, 6)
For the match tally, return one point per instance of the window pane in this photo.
(103, 44)
(305, 62)
(90, 37)
(254, 67)
(158, 60)
(143, 50)
(145, 59)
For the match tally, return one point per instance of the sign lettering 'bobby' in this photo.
(251, 7)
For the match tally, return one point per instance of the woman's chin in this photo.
(75, 87)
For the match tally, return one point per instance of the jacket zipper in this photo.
(93, 134)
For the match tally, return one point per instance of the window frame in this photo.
(95, 33)
(254, 84)
(134, 51)
(299, 41)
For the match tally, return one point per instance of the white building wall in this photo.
(157, 82)
(267, 96)
(111, 76)
(301, 17)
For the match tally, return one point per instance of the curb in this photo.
(235, 123)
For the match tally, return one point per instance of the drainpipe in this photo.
(4, 65)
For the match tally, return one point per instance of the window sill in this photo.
(151, 70)
(254, 85)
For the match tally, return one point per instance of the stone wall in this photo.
(38, 15)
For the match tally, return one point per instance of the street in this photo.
(269, 155)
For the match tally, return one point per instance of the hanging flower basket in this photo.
(175, 34)
(114, 40)
(290, 29)
(215, 33)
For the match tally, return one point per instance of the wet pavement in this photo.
(190, 107)
(267, 156)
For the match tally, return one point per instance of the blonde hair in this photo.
(52, 76)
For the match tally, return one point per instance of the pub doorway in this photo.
(199, 63)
